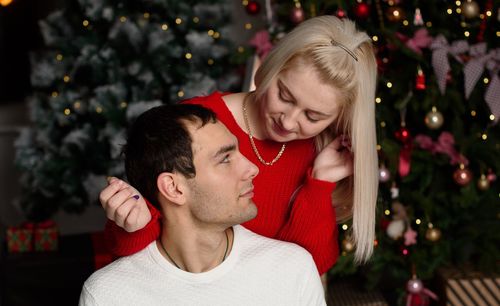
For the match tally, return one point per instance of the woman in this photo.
(314, 90)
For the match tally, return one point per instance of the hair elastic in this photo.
(336, 43)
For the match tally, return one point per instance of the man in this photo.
(188, 164)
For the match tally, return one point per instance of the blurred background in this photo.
(73, 73)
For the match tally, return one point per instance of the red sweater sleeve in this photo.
(312, 223)
(123, 243)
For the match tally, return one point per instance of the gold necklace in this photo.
(252, 142)
(178, 267)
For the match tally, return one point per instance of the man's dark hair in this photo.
(159, 141)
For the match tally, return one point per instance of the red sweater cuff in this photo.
(123, 243)
(319, 185)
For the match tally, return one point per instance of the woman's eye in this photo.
(313, 120)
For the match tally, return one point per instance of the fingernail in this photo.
(136, 197)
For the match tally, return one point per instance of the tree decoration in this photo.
(253, 7)
(347, 245)
(340, 13)
(417, 294)
(483, 183)
(384, 175)
(362, 10)
(432, 233)
(420, 79)
(297, 14)
(434, 119)
(470, 9)
(418, 20)
(399, 222)
(462, 175)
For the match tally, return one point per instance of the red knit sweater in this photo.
(308, 220)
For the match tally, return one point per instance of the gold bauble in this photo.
(483, 183)
(434, 119)
(433, 234)
(470, 9)
(347, 245)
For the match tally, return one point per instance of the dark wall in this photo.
(19, 34)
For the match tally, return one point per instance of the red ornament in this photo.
(362, 10)
(462, 176)
(297, 15)
(340, 13)
(403, 135)
(253, 7)
(420, 80)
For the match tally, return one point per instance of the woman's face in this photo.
(298, 105)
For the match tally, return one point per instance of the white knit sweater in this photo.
(258, 271)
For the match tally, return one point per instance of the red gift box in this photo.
(46, 236)
(20, 238)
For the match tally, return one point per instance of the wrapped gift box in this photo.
(46, 236)
(20, 239)
(466, 287)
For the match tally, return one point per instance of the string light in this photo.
(123, 18)
(498, 33)
(458, 10)
(379, 147)
(418, 221)
(405, 22)
(378, 100)
(59, 57)
(492, 117)
(211, 32)
(66, 79)
(216, 35)
(77, 104)
(463, 24)
(85, 23)
(210, 61)
(375, 38)
(389, 85)
(484, 136)
(5, 2)
(196, 19)
(123, 104)
(180, 93)
(178, 20)
(188, 55)
(449, 11)
(486, 80)
(146, 15)
(473, 113)
(248, 26)
(466, 34)
(164, 27)
(387, 212)
(98, 109)
(67, 111)
(244, 2)
(241, 49)
(428, 24)
(54, 94)
(382, 124)
(488, 13)
(345, 227)
(458, 3)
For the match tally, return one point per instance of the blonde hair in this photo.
(344, 58)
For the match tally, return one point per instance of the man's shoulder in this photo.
(121, 270)
(282, 251)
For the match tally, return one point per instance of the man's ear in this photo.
(172, 186)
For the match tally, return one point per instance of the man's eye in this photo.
(226, 159)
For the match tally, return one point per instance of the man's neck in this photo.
(195, 250)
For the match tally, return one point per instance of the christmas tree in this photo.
(104, 63)
(438, 105)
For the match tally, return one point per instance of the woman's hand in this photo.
(124, 205)
(334, 162)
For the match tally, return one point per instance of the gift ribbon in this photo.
(444, 144)
(420, 40)
(440, 63)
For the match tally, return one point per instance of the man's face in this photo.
(222, 190)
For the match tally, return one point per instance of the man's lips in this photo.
(248, 193)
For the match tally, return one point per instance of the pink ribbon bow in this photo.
(261, 43)
(420, 40)
(444, 144)
(440, 63)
